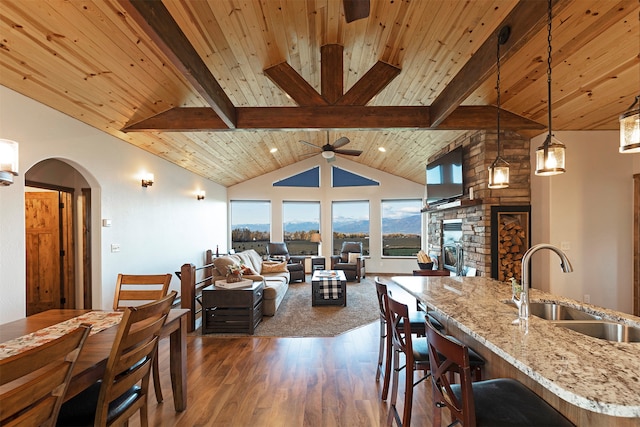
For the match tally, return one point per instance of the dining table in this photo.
(91, 363)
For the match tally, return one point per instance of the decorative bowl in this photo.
(425, 265)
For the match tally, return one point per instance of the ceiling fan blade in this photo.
(341, 142)
(355, 9)
(308, 143)
(349, 152)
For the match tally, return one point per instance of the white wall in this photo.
(391, 187)
(158, 228)
(589, 208)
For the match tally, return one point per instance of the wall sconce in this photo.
(147, 180)
(8, 161)
(200, 194)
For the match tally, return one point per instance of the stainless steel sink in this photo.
(602, 329)
(552, 311)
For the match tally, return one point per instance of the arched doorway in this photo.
(57, 231)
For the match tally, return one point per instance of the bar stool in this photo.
(415, 358)
(496, 402)
(416, 321)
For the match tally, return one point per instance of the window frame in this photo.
(292, 247)
(418, 203)
(261, 249)
(366, 250)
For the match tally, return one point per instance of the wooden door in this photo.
(42, 227)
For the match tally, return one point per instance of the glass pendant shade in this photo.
(550, 157)
(499, 174)
(630, 129)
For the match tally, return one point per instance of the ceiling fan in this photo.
(355, 9)
(329, 150)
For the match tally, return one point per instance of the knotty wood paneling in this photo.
(92, 61)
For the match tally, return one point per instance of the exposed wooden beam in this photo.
(331, 117)
(158, 24)
(526, 18)
(292, 83)
(369, 85)
(332, 72)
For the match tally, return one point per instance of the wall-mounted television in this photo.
(444, 178)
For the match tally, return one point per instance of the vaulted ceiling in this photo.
(210, 85)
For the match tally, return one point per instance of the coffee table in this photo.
(328, 287)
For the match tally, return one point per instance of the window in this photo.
(401, 225)
(350, 223)
(300, 221)
(250, 225)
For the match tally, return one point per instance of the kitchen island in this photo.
(590, 380)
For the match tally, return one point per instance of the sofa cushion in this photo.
(274, 267)
(273, 287)
(253, 259)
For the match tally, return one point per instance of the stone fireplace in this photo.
(475, 215)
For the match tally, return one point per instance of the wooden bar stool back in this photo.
(496, 402)
(416, 320)
(416, 358)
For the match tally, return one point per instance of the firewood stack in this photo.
(511, 247)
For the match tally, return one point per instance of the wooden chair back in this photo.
(136, 289)
(447, 356)
(131, 358)
(398, 315)
(381, 290)
(33, 383)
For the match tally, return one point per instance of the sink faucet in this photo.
(523, 302)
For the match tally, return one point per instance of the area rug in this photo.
(296, 317)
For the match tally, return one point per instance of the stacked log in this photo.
(512, 245)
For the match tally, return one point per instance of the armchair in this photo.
(350, 261)
(295, 265)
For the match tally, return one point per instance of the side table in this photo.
(232, 310)
(328, 287)
(317, 263)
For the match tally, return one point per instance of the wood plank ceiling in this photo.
(219, 83)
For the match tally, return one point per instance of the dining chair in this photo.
(495, 402)
(416, 320)
(124, 387)
(33, 382)
(137, 289)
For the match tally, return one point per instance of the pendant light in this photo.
(550, 155)
(630, 124)
(499, 169)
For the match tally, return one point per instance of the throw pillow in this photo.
(353, 257)
(221, 264)
(274, 267)
(248, 271)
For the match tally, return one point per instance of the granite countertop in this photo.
(590, 373)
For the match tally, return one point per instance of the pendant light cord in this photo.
(498, 89)
(549, 70)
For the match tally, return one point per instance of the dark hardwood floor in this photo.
(283, 382)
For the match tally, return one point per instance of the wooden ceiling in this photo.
(211, 85)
